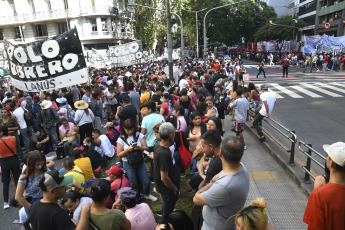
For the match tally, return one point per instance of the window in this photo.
(62, 27)
(17, 33)
(41, 30)
(104, 24)
(93, 25)
(1, 34)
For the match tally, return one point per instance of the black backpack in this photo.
(134, 157)
(29, 117)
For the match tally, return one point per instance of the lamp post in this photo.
(218, 7)
(131, 3)
(197, 28)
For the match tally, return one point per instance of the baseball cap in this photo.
(88, 183)
(264, 86)
(336, 152)
(231, 78)
(126, 98)
(197, 83)
(28, 98)
(116, 170)
(108, 124)
(127, 194)
(54, 179)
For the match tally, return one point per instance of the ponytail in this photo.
(86, 111)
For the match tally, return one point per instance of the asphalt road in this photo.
(311, 104)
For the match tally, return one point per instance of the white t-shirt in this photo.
(86, 99)
(106, 146)
(270, 98)
(111, 101)
(141, 217)
(19, 113)
(78, 209)
(129, 140)
(183, 83)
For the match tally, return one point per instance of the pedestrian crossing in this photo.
(307, 89)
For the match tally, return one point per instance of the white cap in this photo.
(336, 152)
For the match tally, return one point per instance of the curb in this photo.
(282, 162)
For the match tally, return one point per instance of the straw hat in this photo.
(46, 104)
(81, 104)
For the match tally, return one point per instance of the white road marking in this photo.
(316, 88)
(305, 91)
(285, 90)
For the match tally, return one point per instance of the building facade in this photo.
(100, 23)
(307, 12)
(331, 12)
(280, 7)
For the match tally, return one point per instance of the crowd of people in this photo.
(158, 129)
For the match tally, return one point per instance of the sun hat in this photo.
(54, 179)
(336, 152)
(46, 104)
(61, 100)
(81, 104)
(116, 170)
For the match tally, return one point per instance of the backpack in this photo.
(70, 114)
(134, 157)
(115, 134)
(29, 117)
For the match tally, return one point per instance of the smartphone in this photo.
(134, 144)
(146, 152)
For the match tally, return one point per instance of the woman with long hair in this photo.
(167, 106)
(186, 102)
(9, 162)
(178, 112)
(130, 146)
(100, 216)
(36, 166)
(214, 123)
(254, 95)
(84, 118)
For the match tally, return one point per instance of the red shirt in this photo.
(325, 59)
(115, 185)
(217, 66)
(326, 208)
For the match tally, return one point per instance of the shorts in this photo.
(238, 127)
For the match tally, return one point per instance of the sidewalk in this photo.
(286, 201)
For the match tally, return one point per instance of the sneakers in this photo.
(245, 147)
(262, 139)
(159, 213)
(6, 206)
(152, 198)
(191, 190)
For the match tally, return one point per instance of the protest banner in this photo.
(47, 64)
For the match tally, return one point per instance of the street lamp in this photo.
(131, 3)
(218, 7)
(197, 28)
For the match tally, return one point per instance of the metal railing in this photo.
(308, 153)
(285, 133)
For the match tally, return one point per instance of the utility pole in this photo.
(170, 50)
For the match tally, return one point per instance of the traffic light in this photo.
(271, 22)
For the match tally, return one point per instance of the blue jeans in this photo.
(27, 136)
(101, 103)
(141, 171)
(53, 135)
(194, 169)
(307, 66)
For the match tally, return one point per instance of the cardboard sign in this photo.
(47, 64)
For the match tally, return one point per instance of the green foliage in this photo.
(278, 32)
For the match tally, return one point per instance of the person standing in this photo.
(48, 118)
(97, 111)
(25, 130)
(325, 207)
(165, 174)
(307, 63)
(286, 64)
(241, 106)
(325, 63)
(127, 112)
(268, 99)
(262, 69)
(9, 162)
(134, 95)
(227, 192)
(83, 118)
(314, 63)
(144, 98)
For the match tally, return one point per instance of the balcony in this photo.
(109, 35)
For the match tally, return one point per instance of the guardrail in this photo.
(283, 131)
(308, 153)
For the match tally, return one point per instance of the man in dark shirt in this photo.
(68, 96)
(200, 89)
(47, 214)
(128, 112)
(97, 110)
(165, 174)
(285, 63)
(156, 98)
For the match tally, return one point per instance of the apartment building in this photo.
(307, 12)
(331, 12)
(100, 23)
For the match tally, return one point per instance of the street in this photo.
(311, 104)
